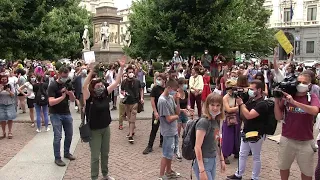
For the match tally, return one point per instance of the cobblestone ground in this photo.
(127, 162)
(22, 134)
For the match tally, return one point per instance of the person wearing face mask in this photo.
(254, 114)
(7, 106)
(176, 59)
(31, 80)
(207, 144)
(60, 115)
(133, 90)
(206, 86)
(97, 110)
(196, 86)
(78, 84)
(259, 76)
(297, 129)
(231, 126)
(169, 110)
(156, 92)
(206, 60)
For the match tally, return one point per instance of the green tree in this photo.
(27, 28)
(158, 27)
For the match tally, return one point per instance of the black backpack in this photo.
(189, 140)
(271, 123)
(41, 96)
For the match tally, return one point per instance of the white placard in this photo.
(89, 57)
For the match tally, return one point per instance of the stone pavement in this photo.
(126, 161)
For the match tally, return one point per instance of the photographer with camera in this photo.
(298, 111)
(59, 94)
(254, 113)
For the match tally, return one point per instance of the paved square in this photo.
(126, 161)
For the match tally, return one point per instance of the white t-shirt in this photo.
(30, 92)
(13, 81)
(110, 79)
(71, 74)
(265, 74)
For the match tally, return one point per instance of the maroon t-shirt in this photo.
(298, 125)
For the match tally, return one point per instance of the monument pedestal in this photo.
(106, 13)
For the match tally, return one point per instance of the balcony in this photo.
(293, 24)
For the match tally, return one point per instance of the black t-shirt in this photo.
(132, 89)
(256, 124)
(97, 112)
(54, 90)
(156, 93)
(37, 86)
(184, 102)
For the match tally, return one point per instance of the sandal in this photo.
(10, 136)
(3, 136)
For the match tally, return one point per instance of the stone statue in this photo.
(86, 39)
(127, 38)
(104, 36)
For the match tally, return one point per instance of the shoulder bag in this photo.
(84, 128)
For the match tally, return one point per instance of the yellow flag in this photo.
(284, 42)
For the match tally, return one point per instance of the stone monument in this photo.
(86, 39)
(106, 25)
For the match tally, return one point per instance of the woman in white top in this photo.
(29, 94)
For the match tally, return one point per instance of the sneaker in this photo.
(48, 129)
(164, 177)
(178, 157)
(128, 135)
(173, 175)
(38, 131)
(234, 177)
(107, 178)
(130, 139)
(70, 157)
(32, 125)
(147, 150)
(226, 160)
(59, 162)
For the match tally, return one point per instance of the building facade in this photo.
(299, 19)
(91, 5)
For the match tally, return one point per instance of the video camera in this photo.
(68, 85)
(288, 85)
(238, 92)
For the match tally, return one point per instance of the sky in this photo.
(122, 4)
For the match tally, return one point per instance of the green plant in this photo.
(149, 81)
(157, 66)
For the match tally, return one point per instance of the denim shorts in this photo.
(169, 146)
(209, 167)
(183, 118)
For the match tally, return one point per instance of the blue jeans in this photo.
(58, 121)
(39, 110)
(209, 166)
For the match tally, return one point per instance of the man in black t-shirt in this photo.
(156, 92)
(60, 115)
(133, 91)
(254, 113)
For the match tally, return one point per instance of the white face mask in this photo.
(214, 115)
(302, 88)
(130, 75)
(251, 93)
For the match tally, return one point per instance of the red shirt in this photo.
(298, 125)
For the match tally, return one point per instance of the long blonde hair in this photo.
(213, 98)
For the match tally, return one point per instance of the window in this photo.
(310, 47)
(312, 13)
(287, 15)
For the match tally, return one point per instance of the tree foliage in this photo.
(41, 29)
(158, 27)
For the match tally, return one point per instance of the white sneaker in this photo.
(48, 129)
(76, 108)
(38, 131)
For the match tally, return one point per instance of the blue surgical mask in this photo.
(251, 93)
(172, 92)
(159, 83)
(185, 87)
